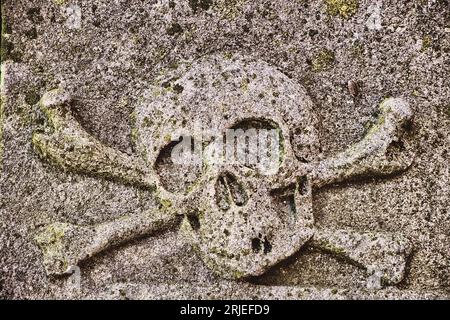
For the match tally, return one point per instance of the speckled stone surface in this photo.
(348, 56)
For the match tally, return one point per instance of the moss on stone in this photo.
(59, 2)
(343, 8)
(165, 203)
(427, 41)
(51, 241)
(323, 60)
(229, 9)
(329, 247)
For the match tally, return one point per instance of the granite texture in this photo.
(79, 166)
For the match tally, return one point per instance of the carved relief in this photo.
(240, 220)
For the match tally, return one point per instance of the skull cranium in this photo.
(234, 211)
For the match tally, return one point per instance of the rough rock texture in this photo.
(348, 55)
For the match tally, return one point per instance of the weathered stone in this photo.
(95, 96)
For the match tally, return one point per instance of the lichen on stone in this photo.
(59, 2)
(51, 242)
(229, 9)
(323, 60)
(427, 41)
(71, 148)
(343, 8)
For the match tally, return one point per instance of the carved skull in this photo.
(244, 216)
(244, 184)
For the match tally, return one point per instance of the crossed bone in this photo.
(68, 146)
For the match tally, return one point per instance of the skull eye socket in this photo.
(177, 167)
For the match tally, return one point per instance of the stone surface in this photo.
(75, 165)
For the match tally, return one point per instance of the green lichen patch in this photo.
(166, 203)
(357, 50)
(59, 2)
(343, 8)
(427, 42)
(70, 147)
(323, 60)
(374, 127)
(330, 247)
(51, 241)
(244, 84)
(229, 9)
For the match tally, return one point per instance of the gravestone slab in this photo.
(97, 98)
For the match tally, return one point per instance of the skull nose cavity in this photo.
(229, 192)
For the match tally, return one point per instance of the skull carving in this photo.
(200, 139)
(241, 217)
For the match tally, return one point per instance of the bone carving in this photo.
(239, 221)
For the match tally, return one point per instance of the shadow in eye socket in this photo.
(176, 177)
(229, 190)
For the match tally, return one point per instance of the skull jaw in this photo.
(246, 241)
(248, 265)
